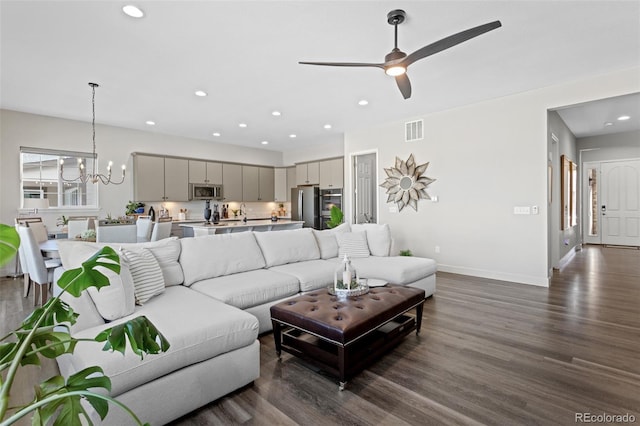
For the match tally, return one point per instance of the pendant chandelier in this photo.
(92, 177)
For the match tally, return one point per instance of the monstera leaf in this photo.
(9, 243)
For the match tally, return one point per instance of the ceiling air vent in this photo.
(413, 131)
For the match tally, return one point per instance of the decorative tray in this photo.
(358, 291)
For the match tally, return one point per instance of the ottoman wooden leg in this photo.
(277, 337)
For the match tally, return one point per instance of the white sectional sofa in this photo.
(213, 298)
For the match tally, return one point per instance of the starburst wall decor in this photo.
(405, 183)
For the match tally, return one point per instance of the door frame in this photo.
(586, 208)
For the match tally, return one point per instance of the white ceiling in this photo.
(245, 54)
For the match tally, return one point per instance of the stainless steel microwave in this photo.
(203, 191)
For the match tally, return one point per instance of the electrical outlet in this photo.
(437, 249)
(534, 210)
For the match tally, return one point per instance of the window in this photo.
(41, 178)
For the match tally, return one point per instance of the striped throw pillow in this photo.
(148, 280)
(353, 244)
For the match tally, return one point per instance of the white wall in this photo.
(616, 146)
(487, 158)
(113, 143)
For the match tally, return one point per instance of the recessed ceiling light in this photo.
(200, 93)
(243, 125)
(276, 113)
(608, 123)
(265, 142)
(623, 118)
(363, 102)
(133, 11)
(327, 126)
(150, 123)
(293, 136)
(216, 133)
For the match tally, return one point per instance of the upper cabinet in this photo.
(160, 179)
(280, 183)
(232, 182)
(332, 174)
(205, 172)
(308, 173)
(291, 181)
(258, 183)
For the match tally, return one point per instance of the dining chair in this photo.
(123, 233)
(76, 226)
(161, 230)
(40, 270)
(144, 226)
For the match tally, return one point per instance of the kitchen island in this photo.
(228, 226)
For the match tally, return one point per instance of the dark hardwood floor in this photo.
(490, 352)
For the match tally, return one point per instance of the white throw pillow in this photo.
(352, 244)
(147, 276)
(117, 300)
(327, 240)
(281, 247)
(378, 237)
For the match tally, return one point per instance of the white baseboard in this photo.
(496, 275)
(567, 257)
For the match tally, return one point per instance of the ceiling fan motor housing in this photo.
(396, 17)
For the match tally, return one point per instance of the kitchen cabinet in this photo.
(231, 182)
(291, 181)
(258, 183)
(160, 179)
(280, 184)
(331, 174)
(308, 173)
(205, 172)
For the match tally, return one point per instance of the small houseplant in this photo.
(406, 253)
(336, 217)
(45, 333)
(134, 207)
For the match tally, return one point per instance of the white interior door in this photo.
(620, 203)
(365, 192)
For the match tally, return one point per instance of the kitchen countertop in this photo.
(226, 223)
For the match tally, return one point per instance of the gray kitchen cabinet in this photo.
(160, 179)
(331, 174)
(308, 173)
(281, 189)
(291, 181)
(257, 183)
(231, 182)
(205, 172)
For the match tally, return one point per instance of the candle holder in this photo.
(346, 281)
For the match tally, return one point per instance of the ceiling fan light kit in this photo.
(396, 62)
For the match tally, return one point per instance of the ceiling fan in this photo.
(396, 62)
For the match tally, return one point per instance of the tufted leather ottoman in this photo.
(344, 336)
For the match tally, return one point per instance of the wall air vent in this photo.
(413, 131)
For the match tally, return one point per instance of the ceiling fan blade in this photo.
(404, 85)
(450, 41)
(344, 64)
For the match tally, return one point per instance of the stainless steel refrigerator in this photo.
(305, 205)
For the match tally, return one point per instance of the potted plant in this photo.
(45, 333)
(336, 217)
(134, 207)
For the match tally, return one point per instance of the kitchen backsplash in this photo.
(195, 209)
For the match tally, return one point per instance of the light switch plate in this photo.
(393, 209)
(521, 210)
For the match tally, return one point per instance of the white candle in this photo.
(346, 278)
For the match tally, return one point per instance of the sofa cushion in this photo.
(198, 328)
(166, 252)
(395, 269)
(117, 299)
(352, 244)
(218, 255)
(378, 237)
(294, 245)
(312, 274)
(148, 280)
(113, 301)
(248, 289)
(327, 242)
